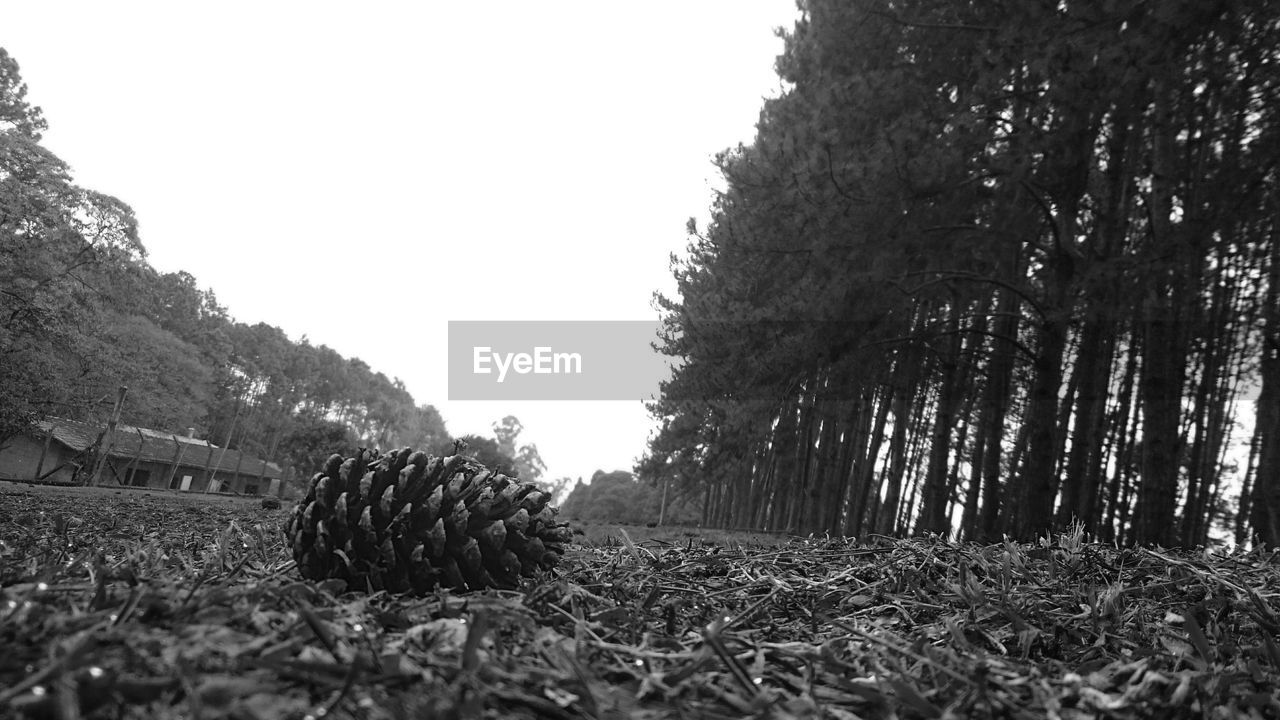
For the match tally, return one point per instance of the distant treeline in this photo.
(618, 497)
(993, 267)
(83, 312)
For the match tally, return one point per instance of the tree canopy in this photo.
(619, 497)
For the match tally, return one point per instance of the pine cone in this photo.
(405, 522)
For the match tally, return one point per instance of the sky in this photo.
(361, 177)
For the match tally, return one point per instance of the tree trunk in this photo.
(1164, 347)
(897, 463)
(867, 485)
(1264, 511)
(1039, 471)
(1093, 373)
(995, 404)
(933, 516)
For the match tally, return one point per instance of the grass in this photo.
(607, 535)
(162, 605)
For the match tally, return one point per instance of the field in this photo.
(614, 535)
(154, 605)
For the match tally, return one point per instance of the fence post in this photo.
(109, 437)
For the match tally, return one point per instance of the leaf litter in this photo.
(154, 606)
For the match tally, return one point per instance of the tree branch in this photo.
(975, 277)
(933, 26)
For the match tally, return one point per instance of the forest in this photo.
(987, 269)
(82, 312)
(992, 269)
(980, 339)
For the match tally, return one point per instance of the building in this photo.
(64, 451)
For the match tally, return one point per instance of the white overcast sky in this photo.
(363, 173)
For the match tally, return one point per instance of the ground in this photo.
(142, 604)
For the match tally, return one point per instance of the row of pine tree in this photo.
(993, 268)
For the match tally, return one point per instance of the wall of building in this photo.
(155, 475)
(243, 484)
(20, 458)
(144, 473)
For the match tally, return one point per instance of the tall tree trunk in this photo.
(1264, 501)
(1093, 373)
(916, 455)
(903, 389)
(867, 485)
(784, 444)
(1164, 345)
(1120, 442)
(798, 516)
(995, 404)
(972, 493)
(1039, 471)
(953, 476)
(933, 516)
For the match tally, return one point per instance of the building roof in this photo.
(157, 446)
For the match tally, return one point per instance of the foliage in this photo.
(169, 384)
(489, 452)
(617, 497)
(424, 427)
(307, 447)
(503, 452)
(990, 268)
(528, 463)
(82, 312)
(558, 489)
(16, 114)
(54, 237)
